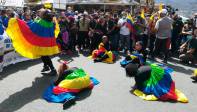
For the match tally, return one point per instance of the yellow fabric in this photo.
(181, 97)
(160, 6)
(142, 14)
(144, 96)
(195, 72)
(57, 28)
(78, 83)
(133, 57)
(130, 17)
(25, 48)
(110, 59)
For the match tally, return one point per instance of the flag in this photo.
(130, 22)
(142, 14)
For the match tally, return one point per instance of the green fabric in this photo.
(44, 23)
(156, 75)
(76, 74)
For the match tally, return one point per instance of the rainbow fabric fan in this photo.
(35, 39)
(160, 86)
(103, 55)
(73, 82)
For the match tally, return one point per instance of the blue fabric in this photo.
(60, 98)
(125, 62)
(63, 97)
(161, 88)
(1, 29)
(5, 21)
(41, 31)
(94, 80)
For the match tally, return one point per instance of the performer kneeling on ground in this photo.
(138, 55)
(153, 82)
(103, 53)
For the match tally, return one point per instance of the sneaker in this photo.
(45, 69)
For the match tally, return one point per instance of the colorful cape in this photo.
(160, 86)
(102, 51)
(67, 88)
(125, 62)
(34, 39)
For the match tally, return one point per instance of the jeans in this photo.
(125, 42)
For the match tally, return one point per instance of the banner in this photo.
(7, 54)
(15, 3)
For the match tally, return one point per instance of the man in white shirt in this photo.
(163, 29)
(124, 32)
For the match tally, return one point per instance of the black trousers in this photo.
(161, 45)
(151, 43)
(83, 39)
(47, 62)
(95, 41)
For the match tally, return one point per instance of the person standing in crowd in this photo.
(176, 33)
(141, 35)
(111, 31)
(163, 29)
(124, 33)
(72, 29)
(151, 33)
(4, 18)
(188, 50)
(27, 17)
(83, 39)
(99, 29)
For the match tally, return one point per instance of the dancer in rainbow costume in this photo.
(152, 81)
(35, 39)
(103, 53)
(70, 82)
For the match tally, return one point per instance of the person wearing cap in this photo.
(163, 29)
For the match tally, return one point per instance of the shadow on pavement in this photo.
(80, 96)
(11, 69)
(19, 99)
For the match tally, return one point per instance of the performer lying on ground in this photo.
(153, 82)
(137, 56)
(35, 39)
(70, 81)
(103, 53)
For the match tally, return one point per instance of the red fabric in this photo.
(58, 90)
(33, 38)
(171, 95)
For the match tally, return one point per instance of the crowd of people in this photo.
(164, 31)
(103, 34)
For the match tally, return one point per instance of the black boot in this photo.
(68, 103)
(45, 68)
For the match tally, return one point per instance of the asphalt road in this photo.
(22, 86)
